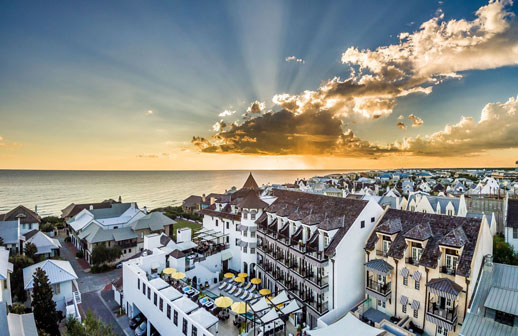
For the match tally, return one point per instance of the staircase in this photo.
(77, 297)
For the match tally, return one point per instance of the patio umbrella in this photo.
(169, 271)
(242, 275)
(239, 279)
(223, 302)
(240, 307)
(228, 275)
(265, 291)
(178, 275)
(255, 281)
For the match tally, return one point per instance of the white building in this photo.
(63, 280)
(167, 309)
(47, 246)
(29, 220)
(441, 205)
(6, 268)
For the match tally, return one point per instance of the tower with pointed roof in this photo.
(250, 183)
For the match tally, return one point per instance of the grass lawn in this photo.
(182, 224)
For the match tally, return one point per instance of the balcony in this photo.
(320, 256)
(379, 287)
(412, 261)
(447, 270)
(381, 253)
(434, 312)
(320, 307)
(320, 281)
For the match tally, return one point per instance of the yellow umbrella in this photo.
(242, 275)
(265, 291)
(240, 307)
(228, 275)
(239, 279)
(255, 281)
(169, 271)
(178, 275)
(223, 302)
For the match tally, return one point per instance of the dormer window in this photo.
(326, 240)
(252, 216)
(417, 252)
(452, 259)
(386, 245)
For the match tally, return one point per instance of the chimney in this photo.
(91, 207)
(120, 199)
(133, 205)
(203, 198)
(145, 210)
(212, 200)
(36, 208)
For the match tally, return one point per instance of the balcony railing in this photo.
(381, 253)
(320, 281)
(379, 287)
(412, 261)
(447, 270)
(445, 314)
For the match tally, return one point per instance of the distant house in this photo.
(6, 268)
(29, 220)
(192, 204)
(10, 234)
(47, 246)
(407, 186)
(73, 209)
(493, 309)
(441, 205)
(63, 280)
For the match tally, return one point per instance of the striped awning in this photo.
(416, 276)
(444, 287)
(378, 266)
(404, 272)
(376, 295)
(403, 300)
(415, 305)
(440, 323)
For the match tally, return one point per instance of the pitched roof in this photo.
(26, 215)
(252, 201)
(5, 265)
(43, 243)
(57, 271)
(22, 325)
(192, 200)
(9, 232)
(154, 221)
(73, 209)
(422, 226)
(93, 233)
(250, 183)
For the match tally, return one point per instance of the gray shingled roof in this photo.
(155, 221)
(116, 210)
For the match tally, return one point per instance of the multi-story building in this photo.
(29, 220)
(311, 246)
(422, 268)
(442, 205)
(6, 268)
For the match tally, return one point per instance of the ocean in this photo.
(53, 190)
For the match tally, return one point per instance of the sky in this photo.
(258, 84)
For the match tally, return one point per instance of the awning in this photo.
(252, 228)
(252, 245)
(260, 305)
(244, 228)
(503, 300)
(403, 300)
(404, 272)
(416, 276)
(243, 244)
(281, 298)
(270, 316)
(415, 305)
(379, 266)
(444, 287)
(226, 255)
(349, 325)
(292, 307)
(376, 295)
(238, 227)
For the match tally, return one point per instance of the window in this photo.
(144, 289)
(228, 225)
(175, 318)
(252, 250)
(161, 306)
(504, 318)
(245, 215)
(184, 326)
(362, 224)
(217, 222)
(403, 308)
(57, 289)
(129, 250)
(138, 284)
(168, 311)
(405, 281)
(515, 233)
(194, 331)
(417, 251)
(442, 331)
(252, 234)
(245, 234)
(416, 313)
(155, 299)
(149, 293)
(228, 239)
(252, 216)
(245, 249)
(450, 213)
(417, 285)
(5, 284)
(142, 235)
(326, 240)
(237, 241)
(451, 260)
(386, 245)
(373, 219)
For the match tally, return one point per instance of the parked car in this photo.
(134, 322)
(141, 330)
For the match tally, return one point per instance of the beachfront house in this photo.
(47, 247)
(29, 220)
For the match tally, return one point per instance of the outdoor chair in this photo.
(232, 290)
(245, 295)
(239, 292)
(223, 285)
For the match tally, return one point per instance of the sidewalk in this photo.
(84, 265)
(123, 320)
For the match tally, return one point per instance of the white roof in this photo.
(171, 293)
(270, 316)
(44, 243)
(185, 305)
(290, 308)
(280, 298)
(57, 271)
(22, 325)
(158, 283)
(260, 305)
(204, 318)
(351, 324)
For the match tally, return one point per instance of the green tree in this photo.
(503, 252)
(102, 254)
(30, 250)
(19, 261)
(92, 327)
(43, 306)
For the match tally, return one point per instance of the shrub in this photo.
(100, 269)
(80, 254)
(68, 240)
(47, 227)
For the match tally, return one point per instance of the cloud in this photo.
(416, 121)
(497, 128)
(226, 113)
(294, 59)
(219, 126)
(149, 112)
(401, 125)
(401, 117)
(157, 156)
(256, 107)
(314, 121)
